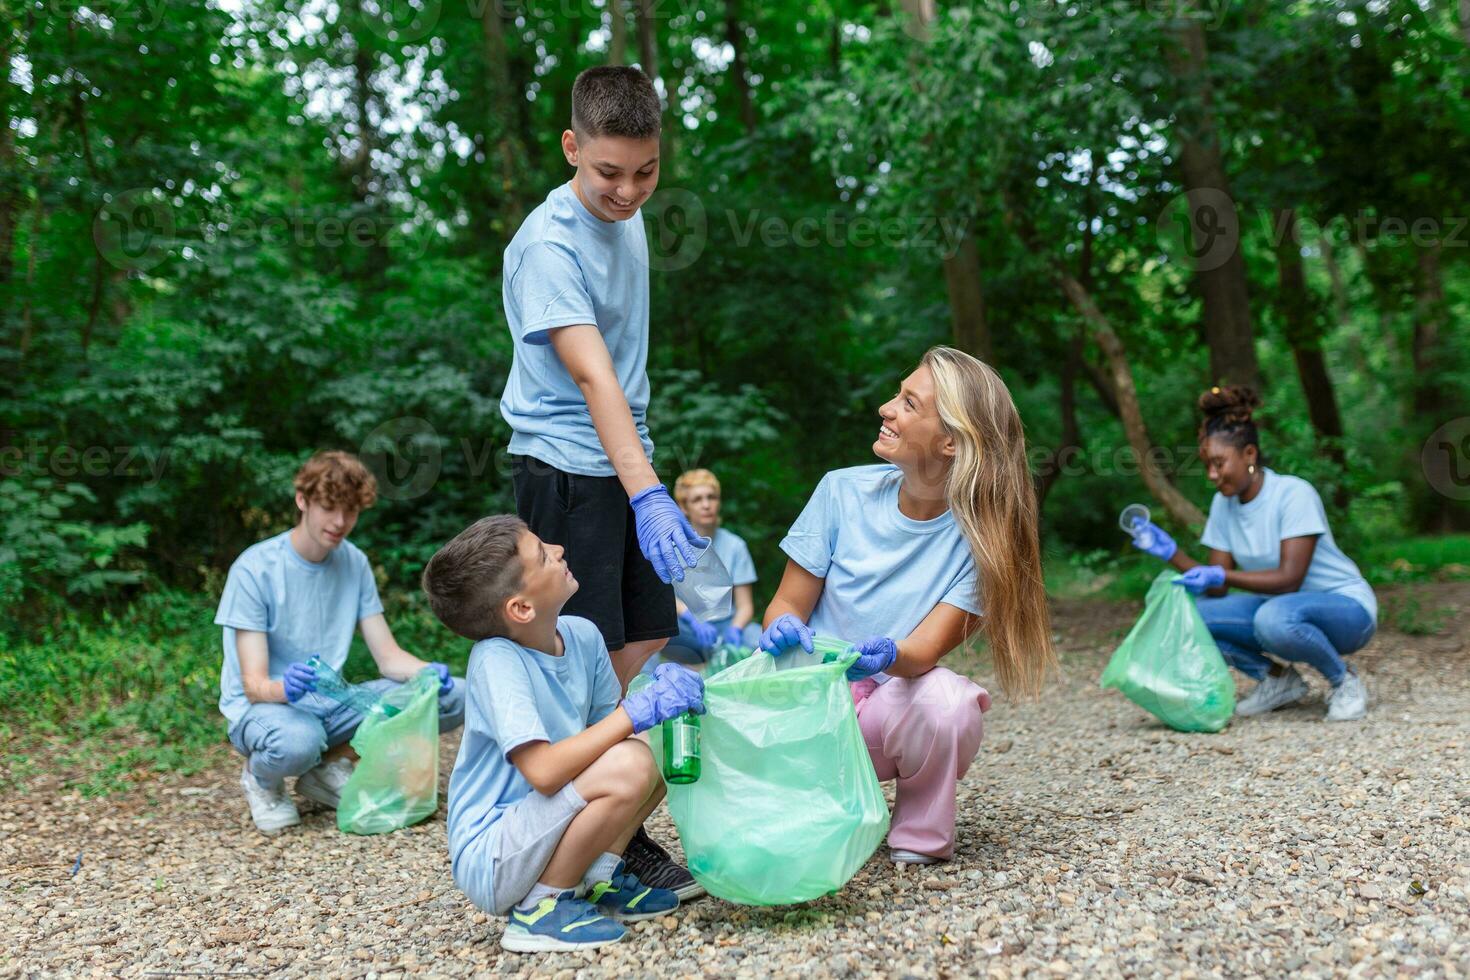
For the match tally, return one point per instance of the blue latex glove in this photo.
(665, 535)
(674, 691)
(786, 632)
(1201, 578)
(298, 679)
(704, 634)
(1161, 546)
(446, 682)
(874, 655)
(733, 636)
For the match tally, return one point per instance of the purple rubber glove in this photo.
(704, 634)
(1202, 578)
(733, 636)
(674, 691)
(665, 535)
(1151, 539)
(298, 679)
(446, 682)
(786, 632)
(874, 655)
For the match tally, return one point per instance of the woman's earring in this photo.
(1252, 469)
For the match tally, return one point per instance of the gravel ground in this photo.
(1092, 842)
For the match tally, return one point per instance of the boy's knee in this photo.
(630, 770)
(293, 750)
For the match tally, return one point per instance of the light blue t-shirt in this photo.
(566, 267)
(1285, 507)
(735, 555)
(305, 608)
(518, 695)
(884, 572)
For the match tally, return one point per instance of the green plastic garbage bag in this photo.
(1169, 665)
(787, 807)
(396, 782)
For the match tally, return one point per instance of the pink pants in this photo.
(923, 731)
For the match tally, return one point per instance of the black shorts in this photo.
(590, 516)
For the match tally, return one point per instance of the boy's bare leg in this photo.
(654, 799)
(628, 660)
(617, 788)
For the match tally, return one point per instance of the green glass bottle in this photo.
(681, 748)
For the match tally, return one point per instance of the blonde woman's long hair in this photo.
(993, 500)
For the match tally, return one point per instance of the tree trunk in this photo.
(9, 175)
(735, 35)
(1465, 20)
(646, 20)
(617, 49)
(1220, 273)
(966, 300)
(1304, 333)
(501, 124)
(1070, 443)
(1435, 512)
(1154, 477)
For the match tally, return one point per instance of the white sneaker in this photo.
(272, 811)
(1273, 692)
(324, 782)
(1348, 700)
(900, 856)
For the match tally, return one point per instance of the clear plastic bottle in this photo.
(329, 684)
(681, 748)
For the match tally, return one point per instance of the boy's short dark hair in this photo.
(469, 579)
(612, 100)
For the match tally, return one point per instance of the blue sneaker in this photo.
(556, 924)
(629, 900)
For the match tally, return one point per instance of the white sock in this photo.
(602, 869)
(538, 891)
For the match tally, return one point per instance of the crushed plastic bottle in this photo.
(329, 684)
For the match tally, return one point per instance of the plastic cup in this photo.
(1132, 517)
(707, 589)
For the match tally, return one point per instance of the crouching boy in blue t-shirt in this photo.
(549, 785)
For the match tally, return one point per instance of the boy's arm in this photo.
(548, 766)
(585, 355)
(254, 654)
(394, 662)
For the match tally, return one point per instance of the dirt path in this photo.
(1093, 842)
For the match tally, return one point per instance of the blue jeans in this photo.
(281, 740)
(1313, 628)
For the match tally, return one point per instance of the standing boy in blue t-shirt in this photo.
(550, 785)
(575, 284)
(303, 593)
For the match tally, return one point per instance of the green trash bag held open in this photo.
(787, 807)
(396, 782)
(1169, 665)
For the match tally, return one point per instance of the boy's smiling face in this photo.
(615, 174)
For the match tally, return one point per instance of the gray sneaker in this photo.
(1273, 692)
(325, 781)
(1348, 700)
(272, 810)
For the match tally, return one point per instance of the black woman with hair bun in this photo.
(1276, 582)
